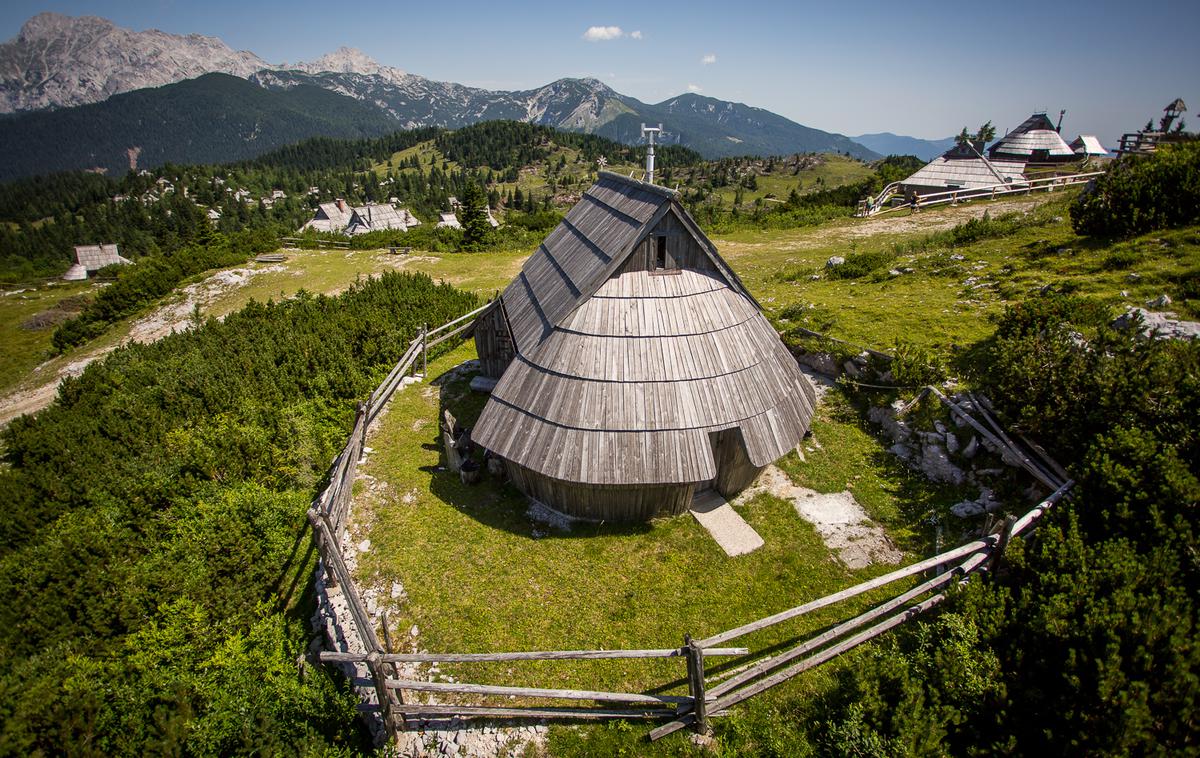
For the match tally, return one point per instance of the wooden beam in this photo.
(971, 564)
(738, 696)
(475, 711)
(531, 655)
(554, 694)
(858, 589)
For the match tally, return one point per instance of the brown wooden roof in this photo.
(619, 378)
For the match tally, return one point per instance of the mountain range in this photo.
(886, 143)
(58, 65)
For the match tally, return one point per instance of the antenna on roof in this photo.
(1061, 113)
(649, 132)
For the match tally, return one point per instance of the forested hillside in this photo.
(214, 118)
(155, 542)
(523, 169)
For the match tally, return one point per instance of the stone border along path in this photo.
(447, 736)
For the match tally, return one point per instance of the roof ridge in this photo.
(647, 186)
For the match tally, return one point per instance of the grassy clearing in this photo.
(947, 294)
(833, 171)
(481, 575)
(24, 344)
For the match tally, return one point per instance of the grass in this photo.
(22, 344)
(480, 574)
(577, 172)
(947, 294)
(833, 171)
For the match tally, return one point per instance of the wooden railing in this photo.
(875, 206)
(707, 696)
(329, 512)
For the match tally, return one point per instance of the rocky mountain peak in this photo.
(59, 60)
(350, 60)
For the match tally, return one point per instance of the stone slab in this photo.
(726, 526)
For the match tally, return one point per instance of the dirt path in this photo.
(162, 321)
(899, 222)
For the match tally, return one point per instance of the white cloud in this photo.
(635, 34)
(694, 88)
(602, 33)
(708, 59)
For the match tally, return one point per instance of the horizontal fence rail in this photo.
(763, 670)
(877, 205)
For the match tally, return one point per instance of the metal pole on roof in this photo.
(649, 133)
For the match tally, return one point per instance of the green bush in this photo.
(1139, 194)
(155, 543)
(1086, 643)
(858, 265)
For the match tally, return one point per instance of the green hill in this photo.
(211, 119)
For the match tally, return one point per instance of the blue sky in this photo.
(918, 68)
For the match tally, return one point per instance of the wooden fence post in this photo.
(424, 352)
(395, 668)
(381, 690)
(695, 670)
(1001, 544)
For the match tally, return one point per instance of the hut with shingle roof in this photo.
(1036, 140)
(634, 369)
(91, 258)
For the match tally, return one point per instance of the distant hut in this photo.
(448, 221)
(1036, 140)
(330, 217)
(372, 218)
(634, 369)
(91, 258)
(1087, 144)
(963, 167)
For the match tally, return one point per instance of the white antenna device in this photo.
(649, 132)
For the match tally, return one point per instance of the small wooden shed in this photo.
(634, 369)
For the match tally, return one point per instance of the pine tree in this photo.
(474, 217)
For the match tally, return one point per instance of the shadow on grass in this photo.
(493, 501)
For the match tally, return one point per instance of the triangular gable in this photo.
(593, 241)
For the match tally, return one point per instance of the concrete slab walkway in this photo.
(729, 529)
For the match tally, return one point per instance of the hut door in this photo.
(735, 472)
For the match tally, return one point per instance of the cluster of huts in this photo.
(340, 218)
(1036, 143)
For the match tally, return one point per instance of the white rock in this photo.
(414, 631)
(971, 449)
(364, 546)
(951, 442)
(937, 466)
(835, 260)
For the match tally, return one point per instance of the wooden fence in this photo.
(878, 204)
(708, 696)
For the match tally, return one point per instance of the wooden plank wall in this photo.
(603, 502)
(683, 250)
(494, 343)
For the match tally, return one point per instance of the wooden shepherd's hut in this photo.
(634, 369)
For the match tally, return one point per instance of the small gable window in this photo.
(660, 260)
